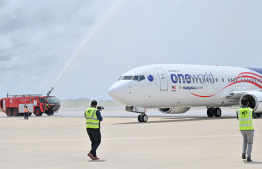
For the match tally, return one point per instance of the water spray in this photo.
(93, 31)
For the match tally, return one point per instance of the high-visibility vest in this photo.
(91, 118)
(26, 110)
(245, 116)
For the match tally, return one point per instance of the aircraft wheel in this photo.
(258, 114)
(144, 118)
(139, 118)
(29, 114)
(217, 112)
(210, 113)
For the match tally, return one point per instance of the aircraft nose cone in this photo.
(117, 91)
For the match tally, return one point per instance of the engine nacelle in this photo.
(255, 100)
(174, 110)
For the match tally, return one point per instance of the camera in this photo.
(100, 108)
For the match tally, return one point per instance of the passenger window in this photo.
(222, 79)
(216, 80)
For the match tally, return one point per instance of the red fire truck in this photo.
(13, 105)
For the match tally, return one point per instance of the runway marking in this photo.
(127, 138)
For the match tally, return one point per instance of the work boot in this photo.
(91, 156)
(96, 158)
(249, 159)
(243, 156)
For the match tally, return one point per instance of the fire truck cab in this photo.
(53, 105)
(13, 105)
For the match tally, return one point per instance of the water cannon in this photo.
(52, 88)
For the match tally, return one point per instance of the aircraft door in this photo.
(163, 79)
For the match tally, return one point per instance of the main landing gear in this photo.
(142, 117)
(211, 112)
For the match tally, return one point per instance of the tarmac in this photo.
(190, 140)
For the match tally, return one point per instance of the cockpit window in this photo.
(135, 78)
(141, 78)
(128, 77)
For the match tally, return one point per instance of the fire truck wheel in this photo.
(38, 112)
(9, 112)
(50, 113)
(15, 112)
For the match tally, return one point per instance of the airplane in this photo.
(174, 88)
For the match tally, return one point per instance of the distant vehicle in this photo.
(13, 105)
(174, 88)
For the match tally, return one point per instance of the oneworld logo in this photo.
(150, 78)
(193, 78)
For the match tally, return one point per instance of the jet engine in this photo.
(255, 100)
(174, 110)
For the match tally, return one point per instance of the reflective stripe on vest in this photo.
(245, 122)
(91, 118)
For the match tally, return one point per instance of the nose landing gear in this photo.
(142, 117)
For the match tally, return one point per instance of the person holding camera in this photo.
(93, 119)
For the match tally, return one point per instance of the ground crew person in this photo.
(26, 111)
(93, 118)
(245, 116)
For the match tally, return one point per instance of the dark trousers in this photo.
(95, 138)
(26, 115)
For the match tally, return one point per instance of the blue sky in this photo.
(39, 39)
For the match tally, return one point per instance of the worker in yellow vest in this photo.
(93, 118)
(245, 115)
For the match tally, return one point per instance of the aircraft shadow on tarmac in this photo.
(179, 119)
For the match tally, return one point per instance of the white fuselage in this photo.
(177, 85)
